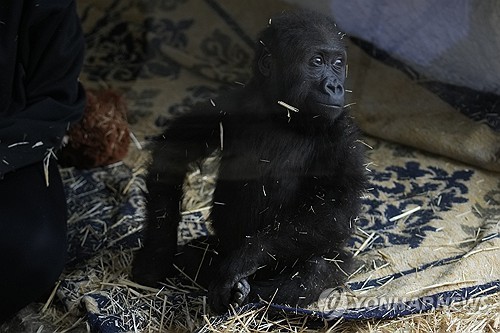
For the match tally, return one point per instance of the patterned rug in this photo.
(428, 235)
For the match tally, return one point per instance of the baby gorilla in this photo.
(290, 178)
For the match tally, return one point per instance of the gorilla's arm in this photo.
(318, 229)
(190, 138)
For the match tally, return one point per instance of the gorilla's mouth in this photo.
(332, 111)
(331, 106)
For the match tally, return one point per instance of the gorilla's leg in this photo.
(305, 283)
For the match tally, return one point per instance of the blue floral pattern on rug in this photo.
(405, 188)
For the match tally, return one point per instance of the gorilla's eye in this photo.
(317, 61)
(338, 62)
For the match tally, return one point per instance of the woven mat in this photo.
(428, 235)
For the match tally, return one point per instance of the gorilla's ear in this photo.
(265, 63)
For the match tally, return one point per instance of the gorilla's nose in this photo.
(335, 90)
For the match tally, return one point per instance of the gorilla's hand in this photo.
(231, 287)
(225, 293)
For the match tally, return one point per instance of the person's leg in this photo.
(32, 236)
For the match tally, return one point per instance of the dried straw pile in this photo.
(180, 305)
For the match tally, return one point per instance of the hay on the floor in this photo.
(181, 306)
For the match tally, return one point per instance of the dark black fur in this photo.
(289, 182)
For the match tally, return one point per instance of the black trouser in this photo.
(32, 236)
